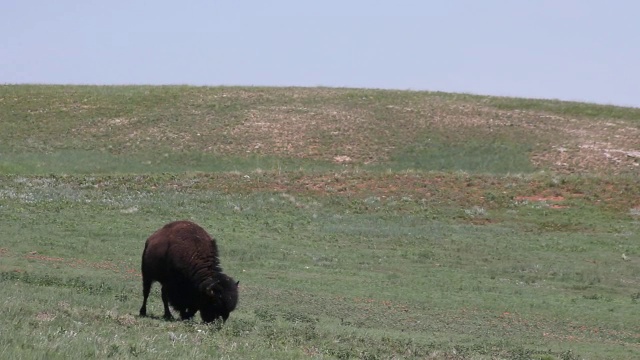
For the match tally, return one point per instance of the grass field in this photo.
(364, 224)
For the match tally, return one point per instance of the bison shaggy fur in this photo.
(183, 258)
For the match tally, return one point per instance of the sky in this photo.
(580, 50)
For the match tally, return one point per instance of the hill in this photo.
(140, 126)
(361, 223)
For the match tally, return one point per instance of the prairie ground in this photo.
(361, 223)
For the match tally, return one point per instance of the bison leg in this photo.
(165, 301)
(146, 287)
(187, 314)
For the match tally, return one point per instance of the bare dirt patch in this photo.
(320, 132)
(583, 146)
(44, 316)
(554, 202)
(540, 198)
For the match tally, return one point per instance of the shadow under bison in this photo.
(183, 258)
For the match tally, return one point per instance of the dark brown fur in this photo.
(183, 257)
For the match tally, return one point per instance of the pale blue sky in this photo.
(563, 49)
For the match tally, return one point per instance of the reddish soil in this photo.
(540, 198)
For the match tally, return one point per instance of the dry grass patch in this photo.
(45, 316)
(302, 132)
(585, 145)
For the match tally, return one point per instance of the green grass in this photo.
(566, 108)
(496, 157)
(395, 254)
(103, 162)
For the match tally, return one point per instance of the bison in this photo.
(183, 257)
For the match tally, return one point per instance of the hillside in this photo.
(310, 127)
(366, 224)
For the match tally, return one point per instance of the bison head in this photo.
(221, 298)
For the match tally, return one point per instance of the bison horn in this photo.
(210, 289)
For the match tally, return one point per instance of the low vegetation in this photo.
(361, 223)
